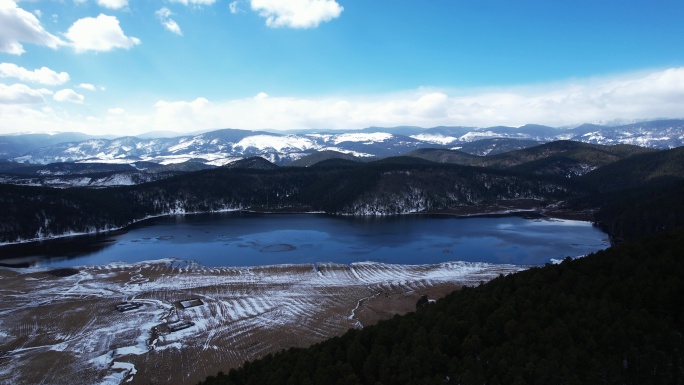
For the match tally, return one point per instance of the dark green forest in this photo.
(613, 317)
(386, 187)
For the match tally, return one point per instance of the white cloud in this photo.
(68, 95)
(102, 33)
(634, 96)
(41, 118)
(87, 86)
(233, 7)
(194, 2)
(180, 113)
(432, 105)
(296, 13)
(19, 26)
(164, 16)
(42, 75)
(113, 4)
(181, 106)
(116, 111)
(20, 94)
(630, 96)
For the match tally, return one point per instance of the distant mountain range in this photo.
(221, 147)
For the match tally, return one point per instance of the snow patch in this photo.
(435, 138)
(477, 135)
(367, 138)
(277, 143)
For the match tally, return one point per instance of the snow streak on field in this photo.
(62, 330)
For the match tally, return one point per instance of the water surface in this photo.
(249, 239)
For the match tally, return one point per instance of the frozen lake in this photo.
(249, 239)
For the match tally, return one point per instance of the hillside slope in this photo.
(562, 158)
(390, 186)
(614, 317)
(651, 168)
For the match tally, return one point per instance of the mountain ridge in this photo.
(224, 146)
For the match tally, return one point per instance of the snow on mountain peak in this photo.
(222, 146)
(476, 135)
(184, 144)
(370, 137)
(276, 142)
(435, 138)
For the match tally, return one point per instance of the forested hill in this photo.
(388, 187)
(614, 317)
(638, 195)
(630, 196)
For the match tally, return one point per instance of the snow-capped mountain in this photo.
(660, 134)
(221, 147)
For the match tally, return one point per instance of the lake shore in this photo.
(521, 208)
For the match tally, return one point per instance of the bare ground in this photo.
(66, 330)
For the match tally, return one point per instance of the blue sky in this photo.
(131, 66)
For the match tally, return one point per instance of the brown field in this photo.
(67, 329)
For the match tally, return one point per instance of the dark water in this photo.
(247, 239)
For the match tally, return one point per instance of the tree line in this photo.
(614, 317)
(36, 211)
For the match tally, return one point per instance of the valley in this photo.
(327, 192)
(176, 321)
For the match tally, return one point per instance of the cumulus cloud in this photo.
(68, 95)
(181, 113)
(431, 105)
(182, 106)
(113, 4)
(164, 16)
(296, 13)
(20, 94)
(29, 118)
(102, 33)
(233, 6)
(42, 75)
(634, 96)
(194, 2)
(18, 26)
(631, 96)
(87, 86)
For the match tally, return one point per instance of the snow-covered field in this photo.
(67, 330)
